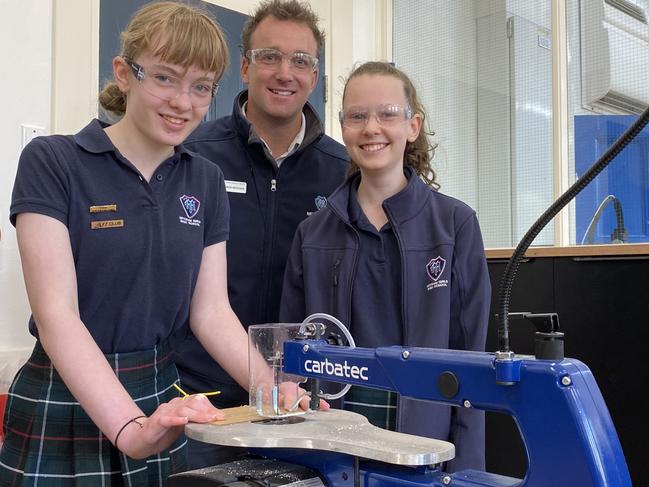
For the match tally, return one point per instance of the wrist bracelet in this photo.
(132, 420)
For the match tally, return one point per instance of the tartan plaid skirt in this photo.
(51, 441)
(379, 407)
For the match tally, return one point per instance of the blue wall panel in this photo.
(626, 177)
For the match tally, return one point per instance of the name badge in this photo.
(236, 186)
(106, 224)
(102, 208)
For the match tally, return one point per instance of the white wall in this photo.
(26, 47)
(359, 30)
(75, 58)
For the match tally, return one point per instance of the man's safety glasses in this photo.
(299, 61)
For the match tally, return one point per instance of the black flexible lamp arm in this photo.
(620, 233)
(504, 293)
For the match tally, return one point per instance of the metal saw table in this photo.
(334, 431)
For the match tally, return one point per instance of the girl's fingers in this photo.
(304, 403)
(199, 409)
(291, 393)
(179, 411)
(166, 421)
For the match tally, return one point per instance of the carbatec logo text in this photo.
(335, 369)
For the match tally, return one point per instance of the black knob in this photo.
(448, 384)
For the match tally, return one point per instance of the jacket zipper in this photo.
(351, 287)
(334, 301)
(402, 257)
(336, 281)
(352, 277)
(336, 277)
(404, 329)
(268, 254)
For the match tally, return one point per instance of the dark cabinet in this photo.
(603, 307)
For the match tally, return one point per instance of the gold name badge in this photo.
(102, 208)
(106, 224)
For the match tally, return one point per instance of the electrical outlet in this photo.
(29, 132)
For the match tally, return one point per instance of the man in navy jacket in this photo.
(279, 167)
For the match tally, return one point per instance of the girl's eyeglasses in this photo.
(355, 117)
(168, 87)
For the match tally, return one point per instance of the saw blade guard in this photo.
(280, 395)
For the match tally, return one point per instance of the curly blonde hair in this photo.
(417, 154)
(178, 33)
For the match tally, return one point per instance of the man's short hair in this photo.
(290, 10)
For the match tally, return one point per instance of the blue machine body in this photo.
(563, 420)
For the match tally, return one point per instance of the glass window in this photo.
(484, 71)
(608, 43)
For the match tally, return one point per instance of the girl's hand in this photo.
(289, 393)
(165, 425)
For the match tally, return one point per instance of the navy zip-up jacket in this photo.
(445, 292)
(266, 205)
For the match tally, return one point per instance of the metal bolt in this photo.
(566, 381)
(405, 354)
(446, 480)
(467, 403)
(305, 348)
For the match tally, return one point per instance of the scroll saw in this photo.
(565, 426)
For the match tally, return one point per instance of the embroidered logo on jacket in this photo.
(191, 205)
(320, 203)
(435, 269)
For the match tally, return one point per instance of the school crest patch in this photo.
(320, 202)
(435, 269)
(190, 204)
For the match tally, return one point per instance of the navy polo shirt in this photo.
(376, 295)
(137, 245)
